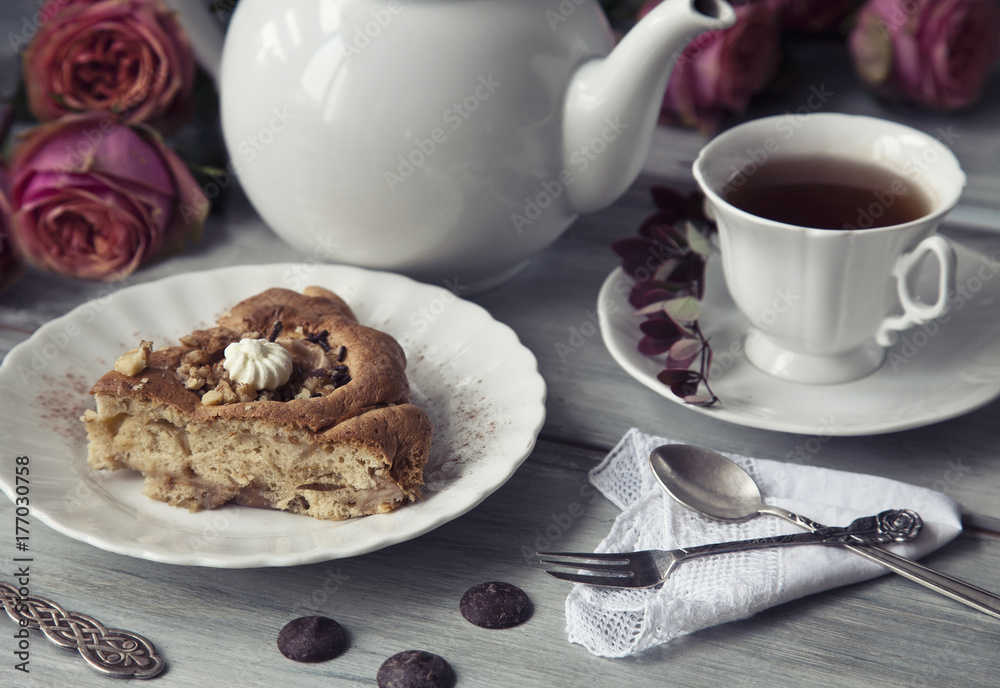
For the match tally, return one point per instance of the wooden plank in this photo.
(219, 626)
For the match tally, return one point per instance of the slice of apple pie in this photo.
(288, 403)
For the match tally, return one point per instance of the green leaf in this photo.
(666, 269)
(651, 308)
(686, 348)
(697, 241)
(683, 310)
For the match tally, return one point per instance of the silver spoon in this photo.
(711, 484)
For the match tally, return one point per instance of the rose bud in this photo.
(129, 57)
(95, 198)
(813, 16)
(720, 71)
(937, 54)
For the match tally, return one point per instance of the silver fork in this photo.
(651, 567)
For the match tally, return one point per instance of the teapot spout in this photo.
(612, 104)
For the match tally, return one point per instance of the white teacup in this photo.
(825, 303)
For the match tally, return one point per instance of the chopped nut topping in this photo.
(205, 374)
(211, 398)
(246, 392)
(228, 395)
(196, 357)
(133, 362)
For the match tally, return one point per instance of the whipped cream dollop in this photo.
(258, 363)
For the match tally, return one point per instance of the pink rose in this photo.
(936, 53)
(95, 198)
(720, 71)
(129, 57)
(813, 16)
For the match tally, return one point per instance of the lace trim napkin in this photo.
(710, 590)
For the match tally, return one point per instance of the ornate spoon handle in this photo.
(895, 525)
(111, 651)
(959, 590)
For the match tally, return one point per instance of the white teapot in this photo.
(450, 140)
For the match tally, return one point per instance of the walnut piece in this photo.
(213, 384)
(211, 398)
(134, 361)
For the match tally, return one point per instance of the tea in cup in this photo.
(826, 223)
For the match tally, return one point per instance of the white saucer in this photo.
(933, 373)
(478, 383)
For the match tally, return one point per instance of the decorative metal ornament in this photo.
(111, 651)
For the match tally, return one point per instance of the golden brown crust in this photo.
(381, 429)
(376, 361)
(371, 410)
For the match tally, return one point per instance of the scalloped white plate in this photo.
(934, 372)
(478, 383)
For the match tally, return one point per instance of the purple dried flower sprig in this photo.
(667, 265)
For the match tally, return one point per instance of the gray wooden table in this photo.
(218, 627)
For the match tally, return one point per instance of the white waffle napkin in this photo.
(710, 590)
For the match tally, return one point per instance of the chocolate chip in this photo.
(312, 639)
(319, 338)
(278, 326)
(415, 669)
(495, 605)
